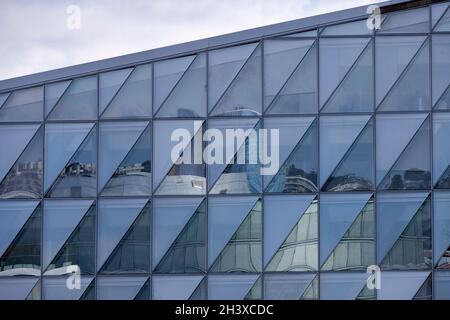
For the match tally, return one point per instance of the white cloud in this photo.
(34, 36)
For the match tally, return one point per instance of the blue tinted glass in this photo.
(342, 286)
(230, 287)
(407, 21)
(174, 287)
(401, 285)
(56, 288)
(442, 285)
(119, 287)
(441, 71)
(110, 83)
(16, 288)
(23, 105)
(287, 287)
(441, 236)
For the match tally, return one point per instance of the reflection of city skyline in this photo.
(24, 180)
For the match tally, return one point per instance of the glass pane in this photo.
(110, 83)
(61, 143)
(243, 96)
(224, 65)
(437, 12)
(393, 135)
(441, 236)
(187, 253)
(16, 288)
(79, 177)
(441, 71)
(188, 97)
(355, 92)
(343, 286)
(3, 98)
(407, 21)
(23, 254)
(337, 56)
(299, 250)
(287, 287)
(53, 93)
(444, 23)
(23, 105)
(225, 215)
(177, 224)
(299, 93)
(281, 58)
(412, 169)
(61, 218)
(24, 179)
(337, 135)
(393, 54)
(79, 101)
(119, 287)
(338, 213)
(56, 288)
(356, 169)
(441, 285)
(116, 140)
(133, 177)
(309, 33)
(115, 218)
(230, 287)
(401, 285)
(132, 253)
(134, 99)
(411, 90)
(354, 28)
(404, 230)
(175, 287)
(243, 252)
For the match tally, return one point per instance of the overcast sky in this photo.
(35, 37)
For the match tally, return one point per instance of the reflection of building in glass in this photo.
(23, 181)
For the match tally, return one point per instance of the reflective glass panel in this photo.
(23, 105)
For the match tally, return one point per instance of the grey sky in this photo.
(34, 36)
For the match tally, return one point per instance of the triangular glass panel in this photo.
(187, 253)
(144, 293)
(53, 93)
(78, 179)
(56, 287)
(443, 25)
(241, 175)
(243, 95)
(412, 169)
(23, 255)
(22, 175)
(298, 174)
(441, 150)
(401, 285)
(243, 251)
(299, 250)
(188, 97)
(312, 291)
(255, 293)
(61, 143)
(110, 83)
(17, 288)
(89, 293)
(3, 98)
(115, 217)
(201, 291)
(79, 101)
(132, 253)
(35, 293)
(134, 98)
(281, 59)
(230, 287)
(426, 291)
(356, 249)
(366, 294)
(441, 225)
(342, 285)
(444, 261)
(355, 92)
(352, 28)
(299, 93)
(411, 90)
(407, 21)
(290, 286)
(23, 106)
(356, 169)
(337, 135)
(336, 58)
(444, 101)
(79, 248)
(116, 139)
(437, 12)
(176, 287)
(168, 74)
(412, 250)
(133, 176)
(119, 287)
(186, 178)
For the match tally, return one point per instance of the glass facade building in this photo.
(86, 177)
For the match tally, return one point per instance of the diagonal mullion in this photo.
(348, 150)
(441, 176)
(347, 74)
(59, 99)
(173, 165)
(9, 94)
(403, 73)
(403, 152)
(447, 90)
(117, 92)
(441, 18)
(176, 84)
(126, 155)
(299, 143)
(234, 79)
(49, 189)
(235, 154)
(20, 155)
(296, 68)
